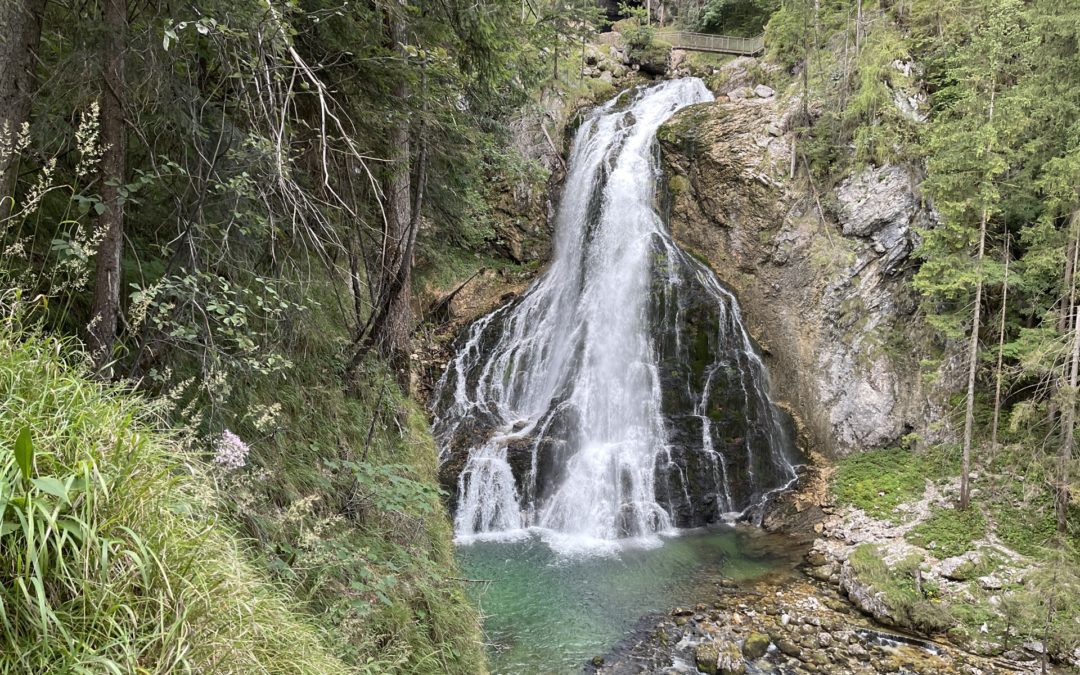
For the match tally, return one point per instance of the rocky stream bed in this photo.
(839, 612)
(790, 625)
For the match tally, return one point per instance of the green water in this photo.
(549, 613)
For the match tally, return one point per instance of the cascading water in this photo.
(620, 396)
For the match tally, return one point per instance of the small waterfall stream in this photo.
(620, 396)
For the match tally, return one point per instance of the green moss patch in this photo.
(879, 480)
(949, 532)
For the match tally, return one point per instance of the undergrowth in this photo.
(340, 495)
(111, 557)
(949, 532)
(878, 481)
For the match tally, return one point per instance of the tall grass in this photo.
(111, 559)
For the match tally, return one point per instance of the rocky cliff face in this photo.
(823, 277)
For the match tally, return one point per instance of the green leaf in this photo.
(72, 527)
(8, 528)
(52, 486)
(24, 452)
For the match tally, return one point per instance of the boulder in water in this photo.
(706, 656)
(755, 645)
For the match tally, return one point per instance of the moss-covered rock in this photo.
(730, 660)
(755, 645)
(706, 655)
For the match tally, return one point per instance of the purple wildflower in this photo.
(230, 452)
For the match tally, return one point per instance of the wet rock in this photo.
(762, 235)
(706, 656)
(789, 648)
(730, 660)
(755, 645)
(681, 611)
(822, 572)
(818, 553)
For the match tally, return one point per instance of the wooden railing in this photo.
(722, 44)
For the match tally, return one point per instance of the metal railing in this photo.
(703, 42)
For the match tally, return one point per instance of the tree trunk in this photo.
(106, 303)
(19, 38)
(1064, 321)
(973, 358)
(391, 336)
(1061, 497)
(858, 28)
(973, 344)
(1001, 351)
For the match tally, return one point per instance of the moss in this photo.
(707, 60)
(678, 185)
(683, 128)
(949, 532)
(1026, 528)
(877, 481)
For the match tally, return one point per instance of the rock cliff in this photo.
(823, 276)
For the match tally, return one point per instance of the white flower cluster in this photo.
(230, 452)
(86, 140)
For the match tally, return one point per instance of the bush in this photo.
(110, 555)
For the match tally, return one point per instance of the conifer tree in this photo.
(970, 150)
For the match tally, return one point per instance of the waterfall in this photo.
(620, 396)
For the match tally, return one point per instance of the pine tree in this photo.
(970, 147)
